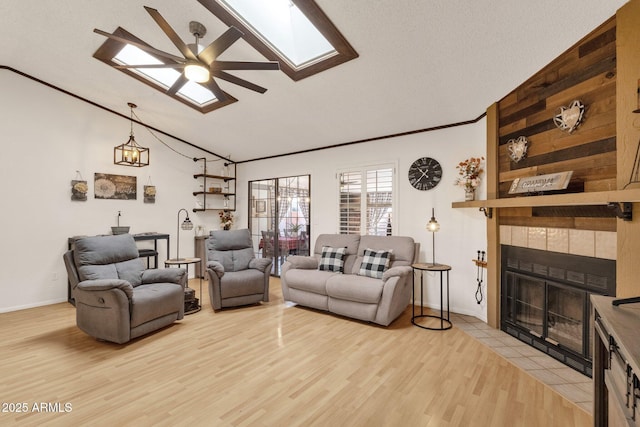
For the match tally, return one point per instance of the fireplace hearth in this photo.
(545, 301)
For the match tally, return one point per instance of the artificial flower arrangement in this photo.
(470, 171)
(81, 187)
(226, 219)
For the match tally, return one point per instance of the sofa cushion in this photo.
(155, 300)
(232, 260)
(231, 248)
(332, 259)
(374, 263)
(242, 283)
(355, 288)
(96, 256)
(309, 280)
(403, 250)
(350, 241)
(131, 271)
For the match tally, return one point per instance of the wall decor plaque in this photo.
(569, 118)
(120, 187)
(518, 148)
(539, 183)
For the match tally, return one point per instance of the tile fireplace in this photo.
(545, 300)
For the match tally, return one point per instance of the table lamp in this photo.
(433, 226)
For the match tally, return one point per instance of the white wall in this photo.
(46, 137)
(462, 232)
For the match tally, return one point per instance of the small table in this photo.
(147, 253)
(445, 323)
(188, 308)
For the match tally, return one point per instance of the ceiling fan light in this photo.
(197, 73)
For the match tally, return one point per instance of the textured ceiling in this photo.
(423, 63)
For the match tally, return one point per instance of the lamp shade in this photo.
(187, 224)
(433, 225)
(196, 72)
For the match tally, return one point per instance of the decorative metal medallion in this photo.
(518, 148)
(569, 118)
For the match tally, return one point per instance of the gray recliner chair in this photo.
(236, 276)
(116, 298)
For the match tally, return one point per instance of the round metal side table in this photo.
(445, 323)
(194, 306)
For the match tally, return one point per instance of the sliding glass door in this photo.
(279, 218)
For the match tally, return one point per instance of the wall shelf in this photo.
(212, 193)
(207, 175)
(229, 197)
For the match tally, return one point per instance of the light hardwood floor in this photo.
(267, 365)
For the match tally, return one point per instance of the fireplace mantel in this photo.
(569, 199)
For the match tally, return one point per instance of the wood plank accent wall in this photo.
(628, 131)
(587, 72)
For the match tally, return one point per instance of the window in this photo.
(296, 33)
(366, 201)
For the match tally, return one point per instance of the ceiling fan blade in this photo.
(219, 45)
(182, 80)
(240, 65)
(144, 47)
(213, 87)
(238, 81)
(173, 36)
(150, 66)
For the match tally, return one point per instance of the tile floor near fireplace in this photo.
(571, 384)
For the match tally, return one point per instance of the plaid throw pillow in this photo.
(332, 259)
(374, 263)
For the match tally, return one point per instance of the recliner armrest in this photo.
(165, 275)
(216, 267)
(260, 264)
(396, 271)
(105, 285)
(303, 262)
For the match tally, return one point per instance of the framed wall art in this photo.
(121, 187)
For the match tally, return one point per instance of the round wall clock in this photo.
(425, 173)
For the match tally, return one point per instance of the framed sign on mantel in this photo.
(540, 183)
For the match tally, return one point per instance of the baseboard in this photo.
(37, 304)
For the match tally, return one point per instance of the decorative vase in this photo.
(469, 194)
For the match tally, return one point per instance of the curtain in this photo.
(378, 206)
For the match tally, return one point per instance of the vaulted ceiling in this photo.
(421, 64)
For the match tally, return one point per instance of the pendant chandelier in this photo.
(130, 153)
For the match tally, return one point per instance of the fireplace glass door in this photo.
(529, 297)
(565, 319)
(548, 310)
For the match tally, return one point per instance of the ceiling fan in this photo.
(199, 66)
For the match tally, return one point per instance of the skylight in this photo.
(131, 55)
(194, 95)
(283, 26)
(297, 33)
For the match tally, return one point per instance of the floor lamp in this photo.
(186, 225)
(433, 226)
